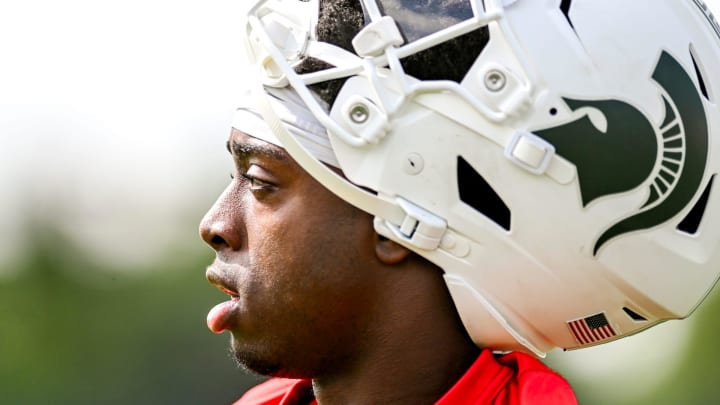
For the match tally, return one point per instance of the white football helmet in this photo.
(565, 185)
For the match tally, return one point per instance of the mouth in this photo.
(228, 291)
(221, 316)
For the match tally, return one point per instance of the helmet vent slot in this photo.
(691, 223)
(698, 73)
(565, 8)
(634, 315)
(475, 191)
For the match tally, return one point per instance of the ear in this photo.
(388, 251)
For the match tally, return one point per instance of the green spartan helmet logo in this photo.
(625, 155)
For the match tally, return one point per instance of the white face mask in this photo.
(299, 121)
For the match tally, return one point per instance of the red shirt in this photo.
(514, 378)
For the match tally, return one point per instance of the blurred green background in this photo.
(113, 118)
(74, 333)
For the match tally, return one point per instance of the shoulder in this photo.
(270, 392)
(510, 379)
(535, 383)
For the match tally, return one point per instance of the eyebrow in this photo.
(247, 150)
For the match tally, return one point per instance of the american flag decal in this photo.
(592, 329)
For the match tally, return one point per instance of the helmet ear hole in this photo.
(476, 192)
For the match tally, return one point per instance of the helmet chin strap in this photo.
(364, 200)
(408, 223)
(395, 218)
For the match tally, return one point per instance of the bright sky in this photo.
(110, 112)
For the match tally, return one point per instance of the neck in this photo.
(417, 352)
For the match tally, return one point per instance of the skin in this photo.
(321, 295)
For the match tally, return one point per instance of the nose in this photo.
(222, 226)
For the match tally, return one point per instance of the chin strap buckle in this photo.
(419, 228)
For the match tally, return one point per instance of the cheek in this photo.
(312, 257)
(279, 250)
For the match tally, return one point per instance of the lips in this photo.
(220, 317)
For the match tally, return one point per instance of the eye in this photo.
(257, 184)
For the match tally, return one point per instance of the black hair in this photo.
(340, 20)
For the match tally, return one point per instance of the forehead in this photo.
(243, 145)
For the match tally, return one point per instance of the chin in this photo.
(259, 363)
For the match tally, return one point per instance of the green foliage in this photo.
(695, 381)
(74, 333)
